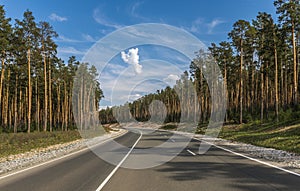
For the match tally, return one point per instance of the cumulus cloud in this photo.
(173, 77)
(132, 58)
(55, 17)
(134, 97)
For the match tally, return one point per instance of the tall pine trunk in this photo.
(262, 94)
(295, 92)
(267, 90)
(50, 98)
(276, 82)
(241, 84)
(29, 93)
(45, 95)
(15, 107)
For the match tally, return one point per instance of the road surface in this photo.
(215, 170)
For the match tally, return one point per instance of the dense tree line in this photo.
(260, 70)
(36, 87)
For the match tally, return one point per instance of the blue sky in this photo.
(82, 23)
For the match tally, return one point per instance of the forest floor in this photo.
(270, 135)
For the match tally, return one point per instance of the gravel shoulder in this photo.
(279, 158)
(36, 156)
(283, 159)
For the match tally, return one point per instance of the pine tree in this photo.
(238, 36)
(28, 34)
(289, 19)
(5, 48)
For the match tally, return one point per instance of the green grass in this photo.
(169, 127)
(271, 135)
(22, 142)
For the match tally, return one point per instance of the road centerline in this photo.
(119, 165)
(191, 152)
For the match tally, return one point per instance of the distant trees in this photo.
(86, 96)
(259, 66)
(35, 85)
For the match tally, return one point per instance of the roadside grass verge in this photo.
(16, 143)
(283, 136)
(23, 142)
(169, 127)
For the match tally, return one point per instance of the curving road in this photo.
(215, 170)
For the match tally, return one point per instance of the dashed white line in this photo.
(118, 166)
(191, 152)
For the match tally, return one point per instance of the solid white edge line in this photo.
(55, 159)
(250, 158)
(191, 152)
(118, 166)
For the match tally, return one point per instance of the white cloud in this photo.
(213, 24)
(100, 18)
(195, 25)
(62, 38)
(120, 81)
(172, 77)
(132, 58)
(200, 26)
(114, 69)
(104, 107)
(70, 50)
(134, 11)
(55, 17)
(125, 86)
(134, 97)
(88, 38)
(134, 8)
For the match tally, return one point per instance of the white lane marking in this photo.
(56, 159)
(250, 158)
(118, 166)
(191, 152)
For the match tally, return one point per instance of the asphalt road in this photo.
(215, 170)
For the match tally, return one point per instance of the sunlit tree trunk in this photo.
(276, 83)
(29, 93)
(45, 93)
(50, 98)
